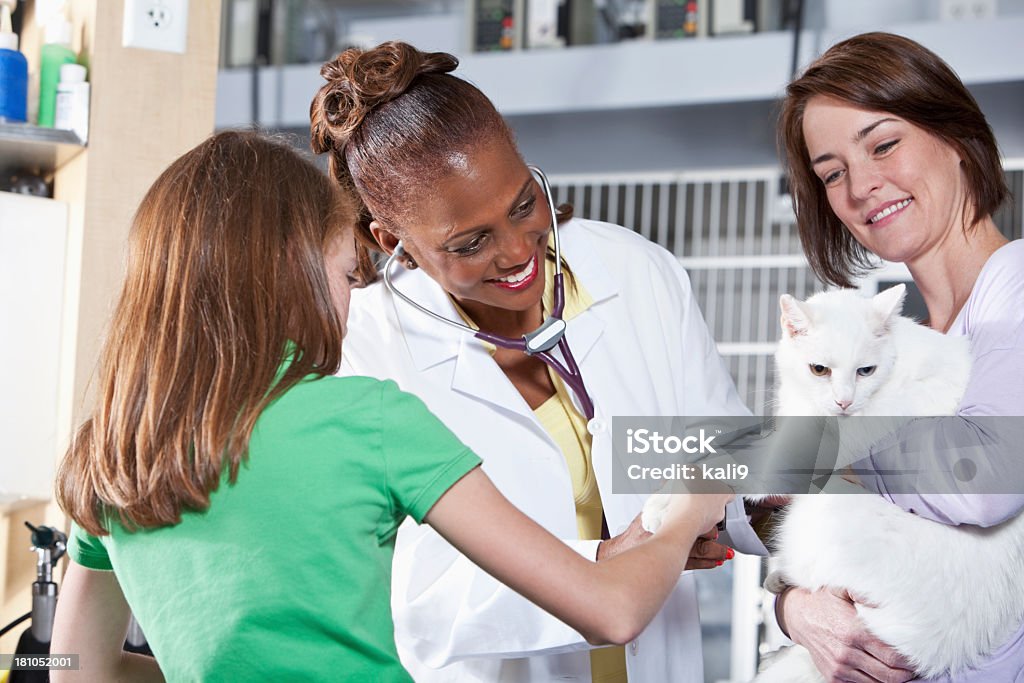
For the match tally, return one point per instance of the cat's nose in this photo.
(843, 405)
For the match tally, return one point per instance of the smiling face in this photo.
(482, 233)
(898, 189)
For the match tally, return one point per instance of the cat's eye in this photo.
(866, 371)
(821, 370)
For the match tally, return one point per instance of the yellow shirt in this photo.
(568, 428)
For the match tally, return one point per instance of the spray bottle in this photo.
(55, 53)
(13, 69)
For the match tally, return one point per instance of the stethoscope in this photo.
(541, 341)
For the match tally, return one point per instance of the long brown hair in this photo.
(892, 74)
(391, 118)
(225, 278)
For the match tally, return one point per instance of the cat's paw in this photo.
(654, 511)
(776, 582)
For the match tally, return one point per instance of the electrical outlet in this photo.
(156, 25)
(959, 10)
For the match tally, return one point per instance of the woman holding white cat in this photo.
(889, 154)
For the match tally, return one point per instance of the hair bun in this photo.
(358, 81)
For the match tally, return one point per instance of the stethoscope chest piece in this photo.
(545, 337)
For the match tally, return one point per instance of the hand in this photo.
(826, 623)
(633, 535)
(704, 509)
(706, 554)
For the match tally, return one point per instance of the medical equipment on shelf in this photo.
(49, 544)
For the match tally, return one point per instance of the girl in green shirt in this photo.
(240, 500)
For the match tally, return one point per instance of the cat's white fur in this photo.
(943, 596)
(844, 331)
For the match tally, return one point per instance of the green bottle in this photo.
(55, 53)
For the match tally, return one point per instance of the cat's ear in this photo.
(795, 317)
(889, 303)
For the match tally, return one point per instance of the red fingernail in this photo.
(730, 553)
(718, 564)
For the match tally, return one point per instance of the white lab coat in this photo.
(643, 349)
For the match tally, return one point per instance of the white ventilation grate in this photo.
(734, 236)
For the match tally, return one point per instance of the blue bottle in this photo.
(13, 72)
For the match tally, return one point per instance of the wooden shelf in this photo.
(41, 150)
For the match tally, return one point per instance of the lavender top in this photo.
(993, 319)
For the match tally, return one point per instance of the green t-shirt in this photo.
(287, 575)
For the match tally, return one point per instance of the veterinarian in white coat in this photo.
(643, 349)
(437, 171)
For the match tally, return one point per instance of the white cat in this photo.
(838, 356)
(943, 596)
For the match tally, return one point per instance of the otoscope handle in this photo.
(49, 544)
(44, 607)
